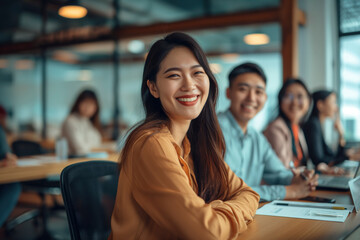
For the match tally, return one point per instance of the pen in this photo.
(303, 176)
(292, 166)
(310, 206)
(326, 214)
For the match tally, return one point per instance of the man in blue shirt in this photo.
(248, 153)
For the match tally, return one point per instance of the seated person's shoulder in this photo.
(312, 128)
(152, 148)
(71, 120)
(152, 139)
(278, 125)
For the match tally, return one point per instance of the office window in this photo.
(349, 34)
(350, 86)
(349, 16)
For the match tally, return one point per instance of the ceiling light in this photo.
(85, 75)
(256, 39)
(82, 75)
(136, 46)
(72, 10)
(65, 56)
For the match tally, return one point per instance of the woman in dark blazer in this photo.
(321, 154)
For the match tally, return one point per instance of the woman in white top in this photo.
(81, 128)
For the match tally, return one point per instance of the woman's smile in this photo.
(188, 100)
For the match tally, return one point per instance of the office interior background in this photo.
(39, 82)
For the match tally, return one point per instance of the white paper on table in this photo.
(47, 159)
(39, 160)
(28, 162)
(306, 210)
(97, 155)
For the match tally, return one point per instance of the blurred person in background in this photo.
(9, 193)
(248, 153)
(2, 117)
(82, 128)
(323, 157)
(284, 133)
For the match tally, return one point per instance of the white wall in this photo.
(318, 50)
(318, 44)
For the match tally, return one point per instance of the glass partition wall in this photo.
(70, 69)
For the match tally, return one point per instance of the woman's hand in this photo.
(339, 128)
(353, 154)
(302, 184)
(337, 124)
(325, 169)
(9, 160)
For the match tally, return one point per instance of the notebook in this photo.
(354, 185)
(339, 182)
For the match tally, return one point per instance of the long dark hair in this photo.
(205, 136)
(320, 95)
(288, 83)
(84, 95)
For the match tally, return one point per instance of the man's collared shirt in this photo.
(251, 158)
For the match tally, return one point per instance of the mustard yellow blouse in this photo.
(157, 196)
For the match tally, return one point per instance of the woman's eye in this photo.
(173, 76)
(199, 72)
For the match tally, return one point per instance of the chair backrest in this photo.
(26, 148)
(89, 192)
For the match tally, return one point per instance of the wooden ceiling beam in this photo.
(93, 34)
(241, 18)
(288, 15)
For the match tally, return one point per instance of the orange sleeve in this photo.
(162, 189)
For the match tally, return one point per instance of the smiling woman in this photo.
(182, 90)
(284, 133)
(173, 181)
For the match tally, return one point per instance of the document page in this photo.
(304, 210)
(36, 161)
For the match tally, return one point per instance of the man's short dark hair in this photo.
(247, 67)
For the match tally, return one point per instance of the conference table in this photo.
(269, 227)
(50, 167)
(263, 227)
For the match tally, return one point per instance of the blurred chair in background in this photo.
(43, 187)
(24, 148)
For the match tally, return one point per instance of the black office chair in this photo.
(89, 192)
(23, 148)
(42, 187)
